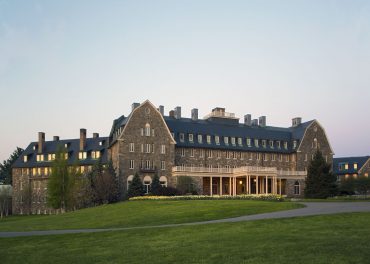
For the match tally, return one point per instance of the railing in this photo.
(292, 173)
(220, 114)
(255, 169)
(249, 169)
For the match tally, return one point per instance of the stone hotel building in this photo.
(223, 155)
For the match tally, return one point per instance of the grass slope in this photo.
(143, 213)
(342, 238)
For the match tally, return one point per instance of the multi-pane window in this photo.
(191, 138)
(249, 143)
(240, 141)
(200, 139)
(163, 149)
(132, 147)
(192, 152)
(209, 153)
(95, 154)
(233, 141)
(296, 188)
(271, 144)
(258, 157)
(51, 157)
(264, 143)
(201, 153)
(218, 154)
(285, 144)
(226, 140)
(182, 152)
(273, 157)
(132, 164)
(265, 156)
(182, 137)
(147, 130)
(294, 144)
(82, 155)
(217, 140)
(148, 148)
(163, 165)
(40, 158)
(287, 158)
(235, 155)
(228, 154)
(256, 143)
(208, 139)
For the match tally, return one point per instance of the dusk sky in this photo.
(66, 65)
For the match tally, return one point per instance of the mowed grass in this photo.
(143, 213)
(342, 238)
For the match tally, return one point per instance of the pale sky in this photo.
(66, 65)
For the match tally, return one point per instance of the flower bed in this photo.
(260, 197)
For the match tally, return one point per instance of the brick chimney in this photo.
(41, 142)
(95, 135)
(55, 138)
(82, 139)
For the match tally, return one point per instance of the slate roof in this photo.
(350, 161)
(50, 147)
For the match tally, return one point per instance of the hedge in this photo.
(260, 197)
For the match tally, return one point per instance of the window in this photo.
(226, 140)
(258, 156)
(82, 169)
(163, 165)
(40, 158)
(147, 182)
(314, 143)
(251, 156)
(296, 188)
(95, 154)
(305, 157)
(132, 164)
(264, 143)
(147, 148)
(182, 137)
(248, 142)
(152, 132)
(265, 157)
(233, 141)
(201, 153)
(235, 155)
(294, 144)
(208, 139)
(142, 131)
(240, 141)
(256, 143)
(354, 166)
(209, 153)
(228, 154)
(132, 147)
(287, 158)
(241, 155)
(217, 140)
(200, 139)
(191, 152)
(163, 149)
(82, 155)
(218, 154)
(273, 157)
(163, 181)
(346, 166)
(65, 156)
(182, 152)
(285, 145)
(191, 138)
(147, 130)
(278, 144)
(280, 157)
(25, 158)
(271, 144)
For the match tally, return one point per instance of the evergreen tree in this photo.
(93, 176)
(320, 181)
(115, 192)
(6, 167)
(59, 183)
(136, 187)
(156, 186)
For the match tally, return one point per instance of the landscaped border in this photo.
(260, 197)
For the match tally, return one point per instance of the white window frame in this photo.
(163, 149)
(132, 147)
(132, 164)
(191, 138)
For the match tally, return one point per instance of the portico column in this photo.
(220, 185)
(210, 186)
(267, 185)
(230, 186)
(246, 184)
(280, 187)
(235, 186)
(257, 185)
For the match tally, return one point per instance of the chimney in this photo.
(161, 110)
(82, 139)
(95, 135)
(55, 138)
(296, 121)
(262, 121)
(172, 113)
(248, 120)
(134, 106)
(255, 122)
(194, 114)
(41, 142)
(178, 112)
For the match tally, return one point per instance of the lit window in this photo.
(233, 141)
(25, 158)
(191, 138)
(226, 140)
(132, 164)
(65, 156)
(200, 139)
(82, 155)
(51, 157)
(182, 137)
(217, 140)
(163, 149)
(40, 158)
(355, 166)
(346, 166)
(132, 147)
(208, 139)
(95, 154)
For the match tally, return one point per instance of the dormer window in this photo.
(355, 166)
(278, 144)
(264, 143)
(82, 155)
(208, 139)
(66, 156)
(217, 140)
(40, 158)
(285, 145)
(101, 143)
(240, 141)
(249, 142)
(191, 138)
(25, 158)
(294, 144)
(35, 147)
(226, 140)
(271, 144)
(233, 141)
(95, 154)
(200, 139)
(256, 143)
(182, 137)
(51, 157)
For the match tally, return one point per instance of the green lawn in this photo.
(342, 238)
(143, 213)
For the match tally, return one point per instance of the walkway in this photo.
(312, 208)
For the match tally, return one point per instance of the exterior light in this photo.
(240, 182)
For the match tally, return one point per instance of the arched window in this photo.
(163, 181)
(129, 180)
(147, 183)
(147, 130)
(296, 188)
(315, 143)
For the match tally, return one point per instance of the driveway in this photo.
(312, 208)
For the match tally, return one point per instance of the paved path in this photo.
(312, 208)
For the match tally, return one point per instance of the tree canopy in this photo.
(6, 166)
(136, 187)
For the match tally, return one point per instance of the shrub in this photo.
(262, 197)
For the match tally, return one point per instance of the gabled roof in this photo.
(51, 147)
(350, 161)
